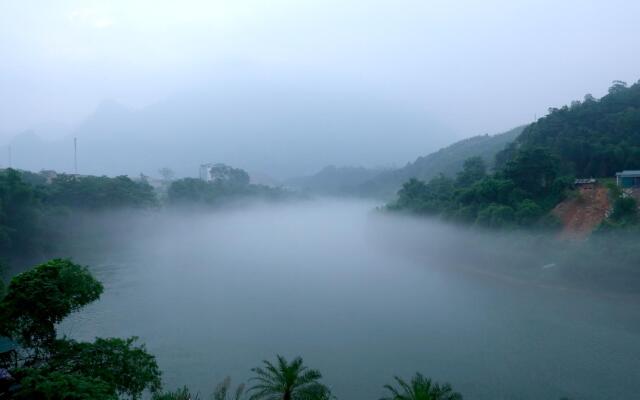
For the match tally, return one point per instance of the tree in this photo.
(38, 299)
(36, 384)
(167, 174)
(496, 216)
(20, 214)
(473, 170)
(35, 302)
(222, 391)
(224, 174)
(100, 192)
(528, 212)
(127, 368)
(625, 209)
(421, 388)
(617, 86)
(533, 170)
(428, 198)
(181, 394)
(287, 381)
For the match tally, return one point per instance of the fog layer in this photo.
(359, 296)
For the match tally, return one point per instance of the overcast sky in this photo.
(474, 66)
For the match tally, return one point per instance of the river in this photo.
(213, 294)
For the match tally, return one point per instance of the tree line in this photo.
(34, 205)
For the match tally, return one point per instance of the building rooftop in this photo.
(583, 181)
(629, 173)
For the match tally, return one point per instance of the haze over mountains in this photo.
(384, 183)
(277, 130)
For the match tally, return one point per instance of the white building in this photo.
(216, 172)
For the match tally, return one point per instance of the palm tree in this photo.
(287, 381)
(421, 388)
(222, 391)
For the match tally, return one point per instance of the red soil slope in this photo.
(582, 214)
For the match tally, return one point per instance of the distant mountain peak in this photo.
(111, 107)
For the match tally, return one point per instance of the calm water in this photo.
(212, 295)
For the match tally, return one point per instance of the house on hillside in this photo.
(628, 179)
(584, 183)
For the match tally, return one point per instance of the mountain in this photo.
(591, 138)
(447, 161)
(332, 180)
(268, 128)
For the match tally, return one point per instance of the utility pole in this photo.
(75, 155)
(10, 163)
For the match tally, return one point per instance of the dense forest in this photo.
(593, 138)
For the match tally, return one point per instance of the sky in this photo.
(475, 67)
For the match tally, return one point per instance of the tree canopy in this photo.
(287, 381)
(420, 388)
(54, 368)
(38, 299)
(592, 138)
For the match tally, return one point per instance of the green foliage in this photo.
(100, 192)
(191, 191)
(127, 368)
(496, 216)
(491, 190)
(518, 195)
(27, 202)
(591, 138)
(473, 170)
(533, 174)
(532, 171)
(52, 368)
(180, 394)
(20, 213)
(428, 198)
(625, 210)
(38, 299)
(420, 388)
(229, 176)
(447, 161)
(528, 212)
(222, 391)
(287, 381)
(38, 384)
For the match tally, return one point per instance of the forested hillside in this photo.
(447, 161)
(332, 180)
(591, 138)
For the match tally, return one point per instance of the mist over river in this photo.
(361, 297)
